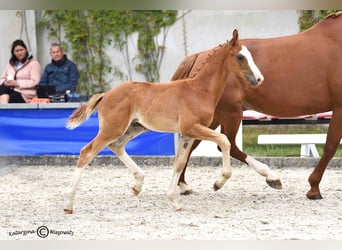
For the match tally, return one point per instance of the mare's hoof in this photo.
(135, 191)
(68, 211)
(313, 196)
(274, 184)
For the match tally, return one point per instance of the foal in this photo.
(184, 106)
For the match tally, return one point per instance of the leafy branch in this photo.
(90, 32)
(308, 18)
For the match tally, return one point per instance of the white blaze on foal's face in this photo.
(245, 52)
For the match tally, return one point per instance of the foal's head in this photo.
(242, 63)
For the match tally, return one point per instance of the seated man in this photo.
(61, 72)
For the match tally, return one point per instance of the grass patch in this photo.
(251, 132)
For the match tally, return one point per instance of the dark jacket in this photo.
(64, 75)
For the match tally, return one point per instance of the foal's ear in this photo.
(235, 38)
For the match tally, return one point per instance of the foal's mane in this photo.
(209, 55)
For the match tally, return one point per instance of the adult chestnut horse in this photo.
(303, 75)
(184, 106)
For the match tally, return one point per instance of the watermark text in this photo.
(41, 232)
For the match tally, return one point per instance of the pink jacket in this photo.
(27, 78)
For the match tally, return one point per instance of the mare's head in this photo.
(242, 63)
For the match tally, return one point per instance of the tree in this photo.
(308, 18)
(151, 51)
(90, 32)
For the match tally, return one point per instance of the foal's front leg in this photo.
(223, 142)
(201, 132)
(183, 151)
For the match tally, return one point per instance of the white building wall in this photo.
(204, 29)
(16, 24)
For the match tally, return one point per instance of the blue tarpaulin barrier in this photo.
(43, 132)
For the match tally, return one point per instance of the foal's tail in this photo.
(83, 113)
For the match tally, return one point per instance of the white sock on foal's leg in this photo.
(70, 193)
(138, 173)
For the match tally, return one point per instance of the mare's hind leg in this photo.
(118, 147)
(332, 143)
(230, 129)
(229, 126)
(88, 152)
(181, 157)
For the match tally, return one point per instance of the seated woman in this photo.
(20, 77)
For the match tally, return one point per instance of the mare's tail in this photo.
(83, 113)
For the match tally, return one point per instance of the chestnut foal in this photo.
(183, 106)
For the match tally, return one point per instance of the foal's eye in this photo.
(240, 57)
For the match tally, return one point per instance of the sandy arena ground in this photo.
(104, 208)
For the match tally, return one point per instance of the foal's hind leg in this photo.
(138, 173)
(179, 164)
(118, 147)
(88, 152)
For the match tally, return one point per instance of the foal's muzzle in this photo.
(253, 80)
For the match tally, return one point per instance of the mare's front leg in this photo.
(181, 157)
(333, 140)
(87, 154)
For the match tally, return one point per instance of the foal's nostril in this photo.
(260, 80)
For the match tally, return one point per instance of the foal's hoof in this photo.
(215, 187)
(274, 184)
(68, 211)
(185, 189)
(187, 192)
(314, 196)
(135, 191)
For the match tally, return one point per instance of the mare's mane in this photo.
(333, 15)
(327, 19)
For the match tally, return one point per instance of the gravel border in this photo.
(273, 162)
